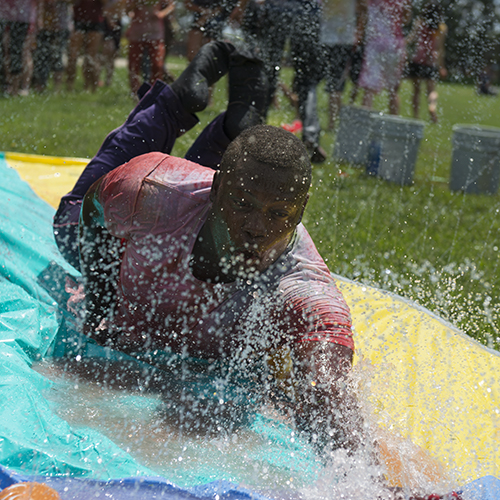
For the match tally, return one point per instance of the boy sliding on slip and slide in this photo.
(206, 256)
(235, 242)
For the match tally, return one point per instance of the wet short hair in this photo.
(272, 146)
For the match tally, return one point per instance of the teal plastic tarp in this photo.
(35, 327)
(33, 439)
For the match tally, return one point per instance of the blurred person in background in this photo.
(16, 16)
(342, 25)
(203, 11)
(51, 43)
(87, 36)
(296, 22)
(169, 38)
(355, 69)
(112, 35)
(385, 50)
(28, 50)
(146, 36)
(484, 81)
(209, 19)
(427, 62)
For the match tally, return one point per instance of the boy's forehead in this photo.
(268, 180)
(263, 188)
(249, 170)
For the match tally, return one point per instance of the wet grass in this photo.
(422, 241)
(437, 247)
(65, 124)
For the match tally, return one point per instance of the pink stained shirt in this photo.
(157, 205)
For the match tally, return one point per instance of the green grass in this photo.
(436, 247)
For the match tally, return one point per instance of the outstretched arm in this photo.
(100, 258)
(326, 407)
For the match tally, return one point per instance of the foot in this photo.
(317, 153)
(433, 107)
(248, 93)
(208, 66)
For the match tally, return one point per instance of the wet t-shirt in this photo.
(157, 204)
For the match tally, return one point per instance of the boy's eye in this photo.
(280, 213)
(240, 203)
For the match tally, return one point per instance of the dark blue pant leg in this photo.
(154, 125)
(306, 56)
(248, 87)
(210, 145)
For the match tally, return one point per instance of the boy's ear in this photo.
(215, 185)
(303, 208)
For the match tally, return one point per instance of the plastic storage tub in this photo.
(394, 147)
(475, 164)
(353, 135)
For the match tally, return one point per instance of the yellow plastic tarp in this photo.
(427, 381)
(50, 177)
(423, 379)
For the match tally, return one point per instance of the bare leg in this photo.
(135, 51)
(91, 70)
(354, 94)
(57, 80)
(75, 45)
(334, 108)
(290, 95)
(394, 101)
(368, 98)
(416, 97)
(27, 73)
(432, 97)
(109, 53)
(15, 84)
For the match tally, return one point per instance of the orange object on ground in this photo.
(408, 465)
(29, 491)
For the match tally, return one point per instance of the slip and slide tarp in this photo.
(433, 392)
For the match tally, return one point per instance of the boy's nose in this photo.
(256, 226)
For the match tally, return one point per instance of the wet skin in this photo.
(253, 218)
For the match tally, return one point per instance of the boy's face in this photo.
(255, 213)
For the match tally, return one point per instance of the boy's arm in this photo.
(326, 406)
(100, 260)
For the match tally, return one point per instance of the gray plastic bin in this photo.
(475, 164)
(353, 135)
(394, 147)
